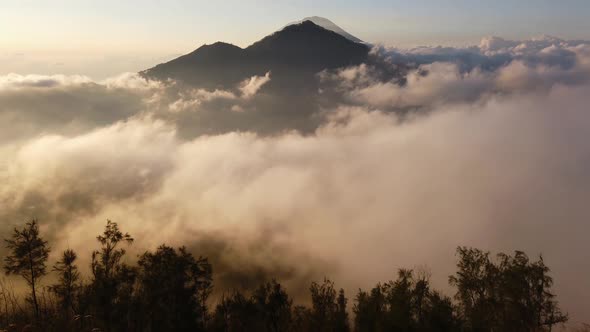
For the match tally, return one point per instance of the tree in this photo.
(512, 294)
(341, 323)
(110, 275)
(324, 307)
(27, 258)
(476, 281)
(406, 304)
(235, 312)
(370, 310)
(525, 291)
(267, 309)
(106, 261)
(69, 276)
(420, 296)
(399, 299)
(438, 314)
(173, 289)
(301, 321)
(273, 306)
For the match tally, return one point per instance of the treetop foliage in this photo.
(169, 289)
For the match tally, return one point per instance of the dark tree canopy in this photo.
(169, 289)
(27, 257)
(406, 304)
(106, 261)
(113, 281)
(512, 293)
(269, 309)
(323, 305)
(341, 320)
(173, 289)
(69, 278)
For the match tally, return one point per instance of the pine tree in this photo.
(69, 277)
(27, 258)
(108, 271)
(173, 289)
(341, 323)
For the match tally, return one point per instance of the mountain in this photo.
(293, 55)
(290, 100)
(308, 46)
(329, 25)
(208, 66)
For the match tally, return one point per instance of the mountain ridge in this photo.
(302, 49)
(329, 25)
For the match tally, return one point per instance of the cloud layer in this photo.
(398, 171)
(432, 76)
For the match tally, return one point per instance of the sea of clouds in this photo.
(484, 146)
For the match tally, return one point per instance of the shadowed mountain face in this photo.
(290, 100)
(327, 24)
(212, 65)
(308, 46)
(295, 53)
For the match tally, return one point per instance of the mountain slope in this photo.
(209, 66)
(307, 45)
(297, 51)
(329, 25)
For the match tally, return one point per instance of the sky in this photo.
(103, 38)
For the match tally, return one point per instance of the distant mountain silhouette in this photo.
(211, 66)
(308, 46)
(290, 100)
(292, 54)
(329, 25)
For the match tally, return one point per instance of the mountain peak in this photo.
(218, 46)
(328, 25)
(306, 45)
(297, 51)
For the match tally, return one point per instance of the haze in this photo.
(104, 38)
(298, 152)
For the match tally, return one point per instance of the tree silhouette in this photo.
(109, 273)
(341, 322)
(476, 281)
(267, 309)
(525, 291)
(173, 289)
(370, 310)
(236, 312)
(168, 290)
(406, 304)
(323, 305)
(399, 299)
(513, 294)
(27, 257)
(273, 305)
(301, 321)
(68, 283)
(438, 314)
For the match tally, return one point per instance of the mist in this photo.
(396, 171)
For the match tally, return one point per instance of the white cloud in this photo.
(15, 81)
(251, 86)
(500, 162)
(439, 75)
(365, 189)
(131, 81)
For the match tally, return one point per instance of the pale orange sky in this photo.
(104, 38)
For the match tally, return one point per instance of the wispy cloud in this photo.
(493, 155)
